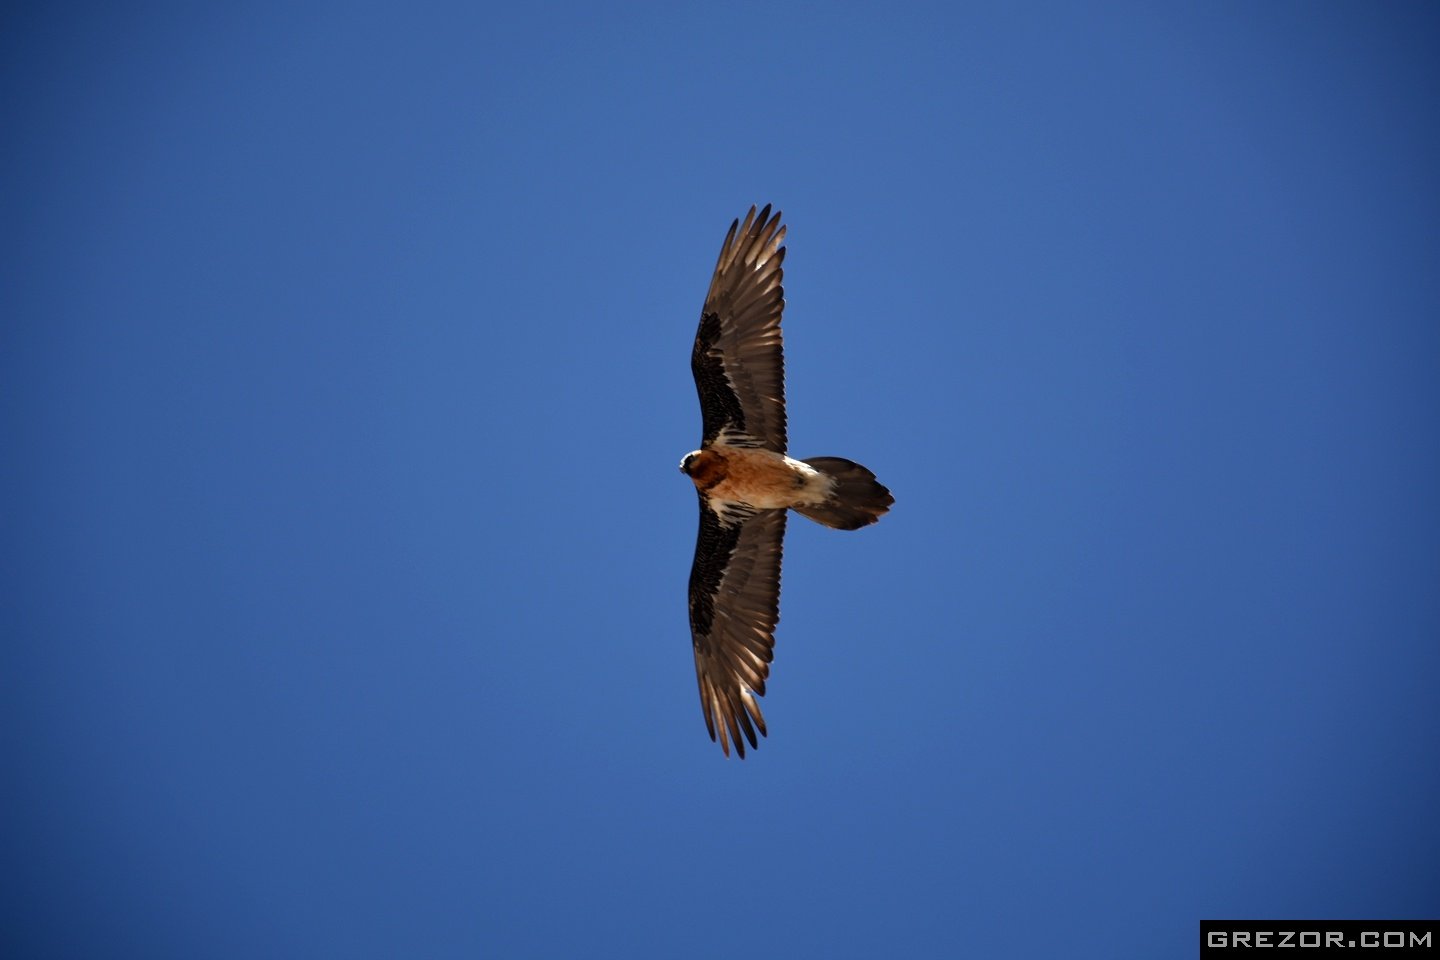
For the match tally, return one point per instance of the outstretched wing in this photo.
(734, 605)
(738, 360)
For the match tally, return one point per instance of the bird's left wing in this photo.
(734, 606)
(738, 359)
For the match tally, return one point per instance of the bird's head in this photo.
(689, 462)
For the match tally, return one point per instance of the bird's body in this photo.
(746, 482)
(757, 477)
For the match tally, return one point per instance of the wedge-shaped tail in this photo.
(857, 500)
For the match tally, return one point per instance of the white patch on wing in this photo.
(730, 437)
(730, 512)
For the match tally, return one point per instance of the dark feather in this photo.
(738, 358)
(734, 606)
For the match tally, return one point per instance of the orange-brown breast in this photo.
(764, 479)
(707, 469)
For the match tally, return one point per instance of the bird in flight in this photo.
(746, 482)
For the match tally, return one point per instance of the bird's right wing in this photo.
(734, 606)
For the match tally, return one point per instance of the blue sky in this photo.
(344, 364)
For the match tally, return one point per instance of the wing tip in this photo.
(732, 718)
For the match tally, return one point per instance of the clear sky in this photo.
(344, 367)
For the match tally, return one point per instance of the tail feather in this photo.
(857, 499)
